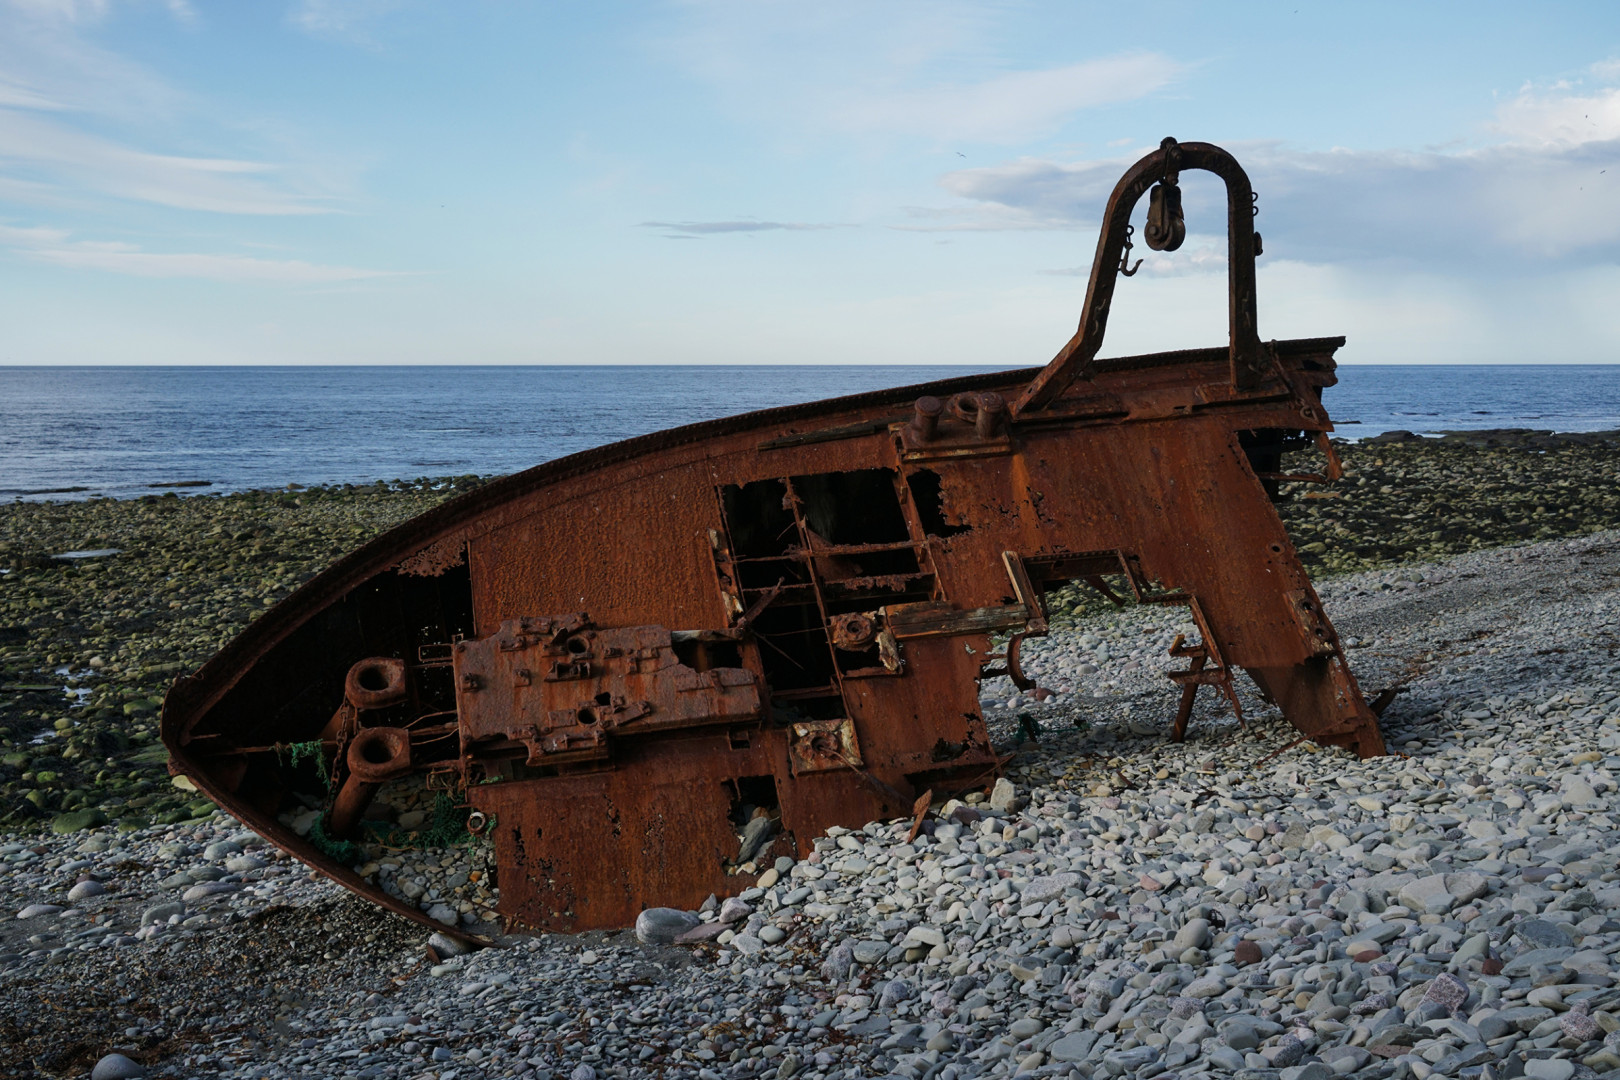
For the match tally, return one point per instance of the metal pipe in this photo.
(992, 411)
(375, 683)
(375, 756)
(925, 418)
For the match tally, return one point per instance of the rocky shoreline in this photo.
(1239, 905)
(149, 588)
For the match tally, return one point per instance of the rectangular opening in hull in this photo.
(793, 647)
(759, 518)
(700, 655)
(929, 501)
(859, 507)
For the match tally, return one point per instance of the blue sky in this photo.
(387, 181)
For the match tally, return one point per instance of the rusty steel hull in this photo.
(617, 657)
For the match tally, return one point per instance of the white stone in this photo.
(660, 926)
(1427, 896)
(924, 934)
(1048, 887)
(86, 890)
(1466, 887)
(1549, 1068)
(162, 913)
(1194, 934)
(1576, 794)
(207, 889)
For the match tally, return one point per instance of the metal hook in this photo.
(1125, 256)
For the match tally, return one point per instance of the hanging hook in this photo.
(1125, 266)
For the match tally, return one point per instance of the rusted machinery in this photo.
(762, 626)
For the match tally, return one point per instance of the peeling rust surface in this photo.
(435, 559)
(652, 667)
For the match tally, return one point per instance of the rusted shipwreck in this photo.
(788, 612)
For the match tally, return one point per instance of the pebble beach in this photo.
(1244, 904)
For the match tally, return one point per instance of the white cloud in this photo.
(73, 11)
(1561, 119)
(27, 236)
(689, 230)
(1548, 190)
(55, 247)
(47, 61)
(906, 68)
(1012, 107)
(89, 162)
(121, 259)
(1198, 255)
(79, 123)
(19, 96)
(350, 21)
(86, 11)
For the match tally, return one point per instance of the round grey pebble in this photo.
(117, 1067)
(86, 890)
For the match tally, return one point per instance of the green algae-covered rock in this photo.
(78, 821)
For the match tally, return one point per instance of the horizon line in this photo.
(723, 364)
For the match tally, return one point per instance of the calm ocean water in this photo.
(120, 430)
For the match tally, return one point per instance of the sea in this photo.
(85, 432)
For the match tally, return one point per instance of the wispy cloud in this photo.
(1011, 107)
(1561, 117)
(57, 248)
(49, 61)
(902, 69)
(689, 230)
(1547, 189)
(87, 11)
(1198, 255)
(73, 11)
(19, 96)
(80, 123)
(55, 151)
(353, 22)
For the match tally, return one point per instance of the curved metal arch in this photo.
(1249, 360)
